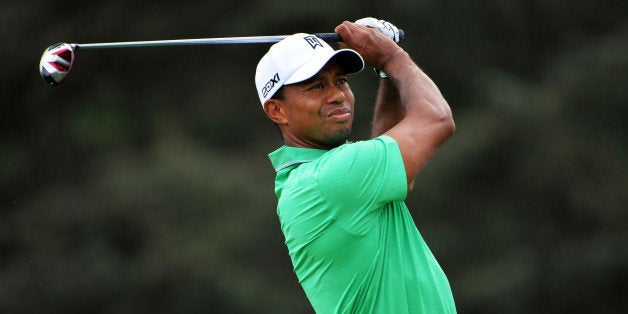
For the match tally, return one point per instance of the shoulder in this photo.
(363, 167)
(363, 153)
(383, 144)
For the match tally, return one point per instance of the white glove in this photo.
(385, 27)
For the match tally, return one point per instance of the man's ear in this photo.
(276, 111)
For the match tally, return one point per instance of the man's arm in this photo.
(389, 111)
(428, 120)
(388, 108)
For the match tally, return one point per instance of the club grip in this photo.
(335, 38)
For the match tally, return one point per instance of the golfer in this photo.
(353, 244)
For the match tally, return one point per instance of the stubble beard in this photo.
(338, 137)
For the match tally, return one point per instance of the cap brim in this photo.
(347, 59)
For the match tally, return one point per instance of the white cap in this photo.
(297, 58)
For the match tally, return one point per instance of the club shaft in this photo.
(329, 37)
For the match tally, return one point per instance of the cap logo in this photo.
(270, 84)
(313, 41)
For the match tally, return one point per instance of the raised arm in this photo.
(388, 108)
(428, 120)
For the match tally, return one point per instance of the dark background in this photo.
(141, 184)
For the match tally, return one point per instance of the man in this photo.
(352, 241)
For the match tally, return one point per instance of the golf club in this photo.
(58, 59)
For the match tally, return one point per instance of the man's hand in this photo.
(375, 47)
(387, 28)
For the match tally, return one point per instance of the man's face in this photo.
(319, 111)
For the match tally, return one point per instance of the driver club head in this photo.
(56, 62)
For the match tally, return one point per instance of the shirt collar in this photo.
(286, 156)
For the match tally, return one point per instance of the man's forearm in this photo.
(421, 98)
(388, 108)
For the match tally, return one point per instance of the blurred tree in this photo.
(142, 184)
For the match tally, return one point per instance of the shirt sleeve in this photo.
(360, 178)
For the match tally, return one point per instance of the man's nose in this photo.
(337, 95)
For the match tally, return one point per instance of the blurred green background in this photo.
(141, 184)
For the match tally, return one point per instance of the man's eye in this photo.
(315, 86)
(342, 81)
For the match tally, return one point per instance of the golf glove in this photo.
(385, 27)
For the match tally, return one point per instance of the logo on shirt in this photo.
(313, 41)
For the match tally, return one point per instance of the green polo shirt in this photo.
(353, 244)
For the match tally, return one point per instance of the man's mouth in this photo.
(340, 114)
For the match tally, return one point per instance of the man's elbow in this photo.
(446, 123)
(450, 126)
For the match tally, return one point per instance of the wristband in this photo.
(380, 73)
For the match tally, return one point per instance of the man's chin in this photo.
(338, 138)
